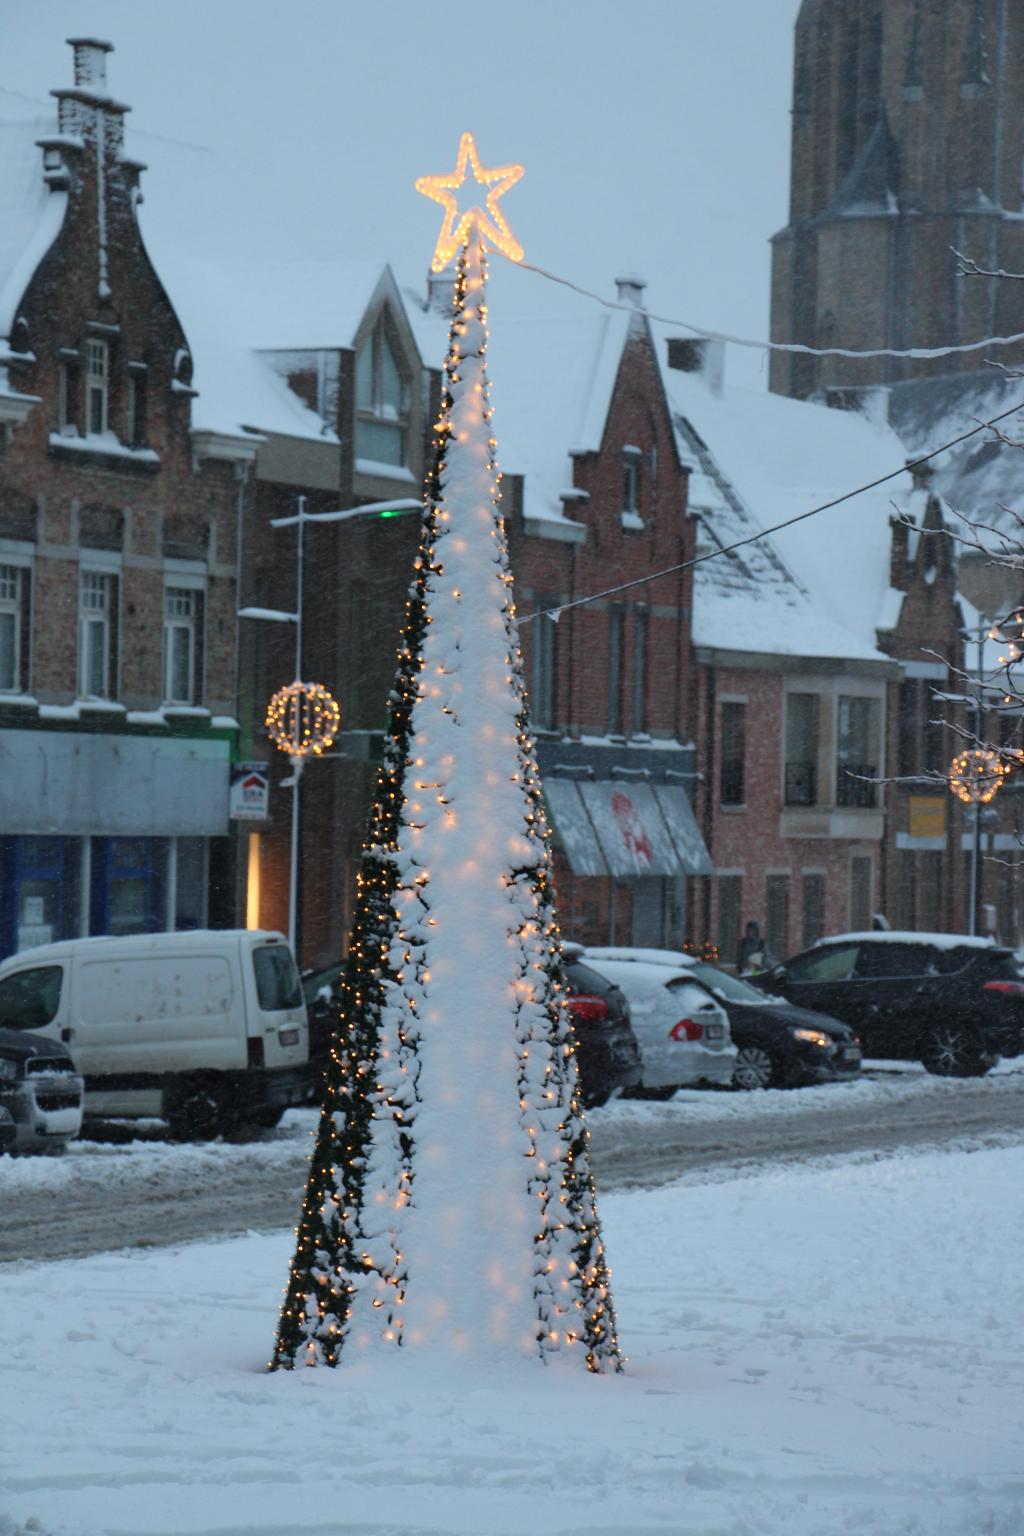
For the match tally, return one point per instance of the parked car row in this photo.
(214, 1030)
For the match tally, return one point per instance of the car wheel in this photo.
(954, 1050)
(754, 1068)
(196, 1109)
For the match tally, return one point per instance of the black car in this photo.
(607, 1053)
(320, 991)
(951, 1002)
(779, 1045)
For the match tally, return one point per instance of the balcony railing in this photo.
(801, 783)
(852, 786)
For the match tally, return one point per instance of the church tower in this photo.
(907, 140)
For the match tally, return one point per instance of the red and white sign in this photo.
(250, 792)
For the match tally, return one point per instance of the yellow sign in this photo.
(927, 816)
(489, 218)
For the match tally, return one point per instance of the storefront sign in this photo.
(250, 792)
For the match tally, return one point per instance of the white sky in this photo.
(655, 134)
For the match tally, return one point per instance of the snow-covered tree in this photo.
(450, 1206)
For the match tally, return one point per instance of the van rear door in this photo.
(279, 1016)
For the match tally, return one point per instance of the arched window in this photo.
(382, 400)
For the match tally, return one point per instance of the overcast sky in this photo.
(655, 133)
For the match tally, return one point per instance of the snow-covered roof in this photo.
(32, 214)
(220, 308)
(820, 588)
(983, 477)
(552, 377)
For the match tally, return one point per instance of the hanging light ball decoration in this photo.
(303, 719)
(976, 776)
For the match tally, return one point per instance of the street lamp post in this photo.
(303, 718)
(975, 777)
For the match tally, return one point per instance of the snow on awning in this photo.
(573, 827)
(626, 830)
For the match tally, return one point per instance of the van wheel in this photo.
(196, 1109)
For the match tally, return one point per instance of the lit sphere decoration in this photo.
(976, 776)
(302, 719)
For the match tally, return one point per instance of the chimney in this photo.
(91, 63)
(440, 292)
(699, 354)
(631, 290)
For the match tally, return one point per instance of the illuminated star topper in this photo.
(490, 220)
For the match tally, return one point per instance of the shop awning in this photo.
(628, 830)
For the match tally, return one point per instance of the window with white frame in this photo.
(11, 590)
(67, 394)
(97, 634)
(180, 615)
(381, 400)
(97, 384)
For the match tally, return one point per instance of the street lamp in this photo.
(303, 719)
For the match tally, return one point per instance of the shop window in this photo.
(381, 400)
(858, 754)
(801, 766)
(129, 885)
(732, 784)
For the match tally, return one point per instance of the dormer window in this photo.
(381, 401)
(97, 385)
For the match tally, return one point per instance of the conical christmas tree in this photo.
(450, 1205)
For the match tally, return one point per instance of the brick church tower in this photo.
(907, 140)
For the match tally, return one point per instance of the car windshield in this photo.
(732, 988)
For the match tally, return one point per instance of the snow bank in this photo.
(812, 1351)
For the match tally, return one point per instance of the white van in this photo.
(207, 1030)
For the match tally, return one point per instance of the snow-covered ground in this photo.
(813, 1351)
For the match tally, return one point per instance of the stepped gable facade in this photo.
(117, 553)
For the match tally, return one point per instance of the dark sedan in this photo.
(779, 1045)
(607, 1053)
(952, 1002)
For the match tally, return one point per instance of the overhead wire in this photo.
(557, 610)
(707, 334)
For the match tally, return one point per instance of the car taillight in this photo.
(686, 1029)
(1007, 988)
(587, 1009)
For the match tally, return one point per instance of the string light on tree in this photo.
(450, 1205)
(976, 777)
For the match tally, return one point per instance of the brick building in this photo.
(594, 496)
(117, 555)
(136, 436)
(821, 651)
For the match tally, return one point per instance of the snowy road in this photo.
(104, 1195)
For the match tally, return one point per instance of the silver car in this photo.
(682, 1032)
(40, 1090)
